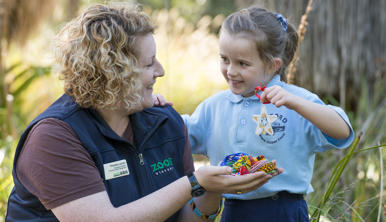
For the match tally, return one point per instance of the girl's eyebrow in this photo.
(244, 61)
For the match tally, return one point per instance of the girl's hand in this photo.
(219, 179)
(159, 100)
(278, 97)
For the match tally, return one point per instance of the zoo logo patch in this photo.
(162, 167)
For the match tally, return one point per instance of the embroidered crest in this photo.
(264, 121)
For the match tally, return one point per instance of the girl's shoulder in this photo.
(219, 97)
(299, 91)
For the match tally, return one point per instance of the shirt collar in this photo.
(238, 98)
(144, 123)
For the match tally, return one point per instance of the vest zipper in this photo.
(140, 156)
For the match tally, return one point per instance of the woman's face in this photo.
(150, 66)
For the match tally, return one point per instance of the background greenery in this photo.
(187, 46)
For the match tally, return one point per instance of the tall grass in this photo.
(355, 193)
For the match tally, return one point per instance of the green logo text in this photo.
(166, 164)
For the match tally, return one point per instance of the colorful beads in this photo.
(242, 163)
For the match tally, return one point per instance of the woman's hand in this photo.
(219, 179)
(159, 100)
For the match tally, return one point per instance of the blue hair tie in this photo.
(282, 20)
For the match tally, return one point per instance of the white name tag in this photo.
(116, 169)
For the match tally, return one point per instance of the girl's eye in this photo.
(150, 65)
(242, 64)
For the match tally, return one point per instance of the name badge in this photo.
(116, 169)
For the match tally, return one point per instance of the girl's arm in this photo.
(323, 117)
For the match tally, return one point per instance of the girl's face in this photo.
(241, 65)
(151, 68)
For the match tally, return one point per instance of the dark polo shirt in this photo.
(52, 142)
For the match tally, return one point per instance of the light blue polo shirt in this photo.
(223, 124)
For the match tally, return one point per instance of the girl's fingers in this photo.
(269, 93)
(159, 100)
(274, 99)
(279, 102)
(155, 100)
(263, 97)
(272, 92)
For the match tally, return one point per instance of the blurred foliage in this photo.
(191, 63)
(193, 10)
(187, 46)
(18, 78)
(7, 146)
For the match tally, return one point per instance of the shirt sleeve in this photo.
(322, 141)
(54, 166)
(188, 158)
(197, 130)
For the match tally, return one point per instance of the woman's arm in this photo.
(323, 117)
(157, 206)
(207, 204)
(164, 202)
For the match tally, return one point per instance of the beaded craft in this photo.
(243, 163)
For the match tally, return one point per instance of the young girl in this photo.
(255, 48)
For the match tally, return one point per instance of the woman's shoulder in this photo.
(166, 110)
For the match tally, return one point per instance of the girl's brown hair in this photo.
(272, 40)
(96, 52)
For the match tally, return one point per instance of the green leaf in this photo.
(7, 70)
(37, 72)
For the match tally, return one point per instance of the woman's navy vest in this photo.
(156, 161)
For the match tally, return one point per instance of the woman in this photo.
(101, 152)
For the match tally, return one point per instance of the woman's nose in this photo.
(159, 71)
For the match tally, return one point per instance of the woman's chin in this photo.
(147, 103)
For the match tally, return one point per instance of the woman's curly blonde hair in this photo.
(98, 58)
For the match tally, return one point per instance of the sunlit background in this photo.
(347, 68)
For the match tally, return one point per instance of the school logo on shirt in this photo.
(163, 166)
(278, 130)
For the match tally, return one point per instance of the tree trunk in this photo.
(344, 46)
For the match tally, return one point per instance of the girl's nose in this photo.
(231, 70)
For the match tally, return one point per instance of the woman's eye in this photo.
(223, 59)
(150, 65)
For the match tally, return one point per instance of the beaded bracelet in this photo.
(199, 214)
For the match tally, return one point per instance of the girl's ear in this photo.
(275, 64)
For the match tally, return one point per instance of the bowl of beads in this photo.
(243, 163)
